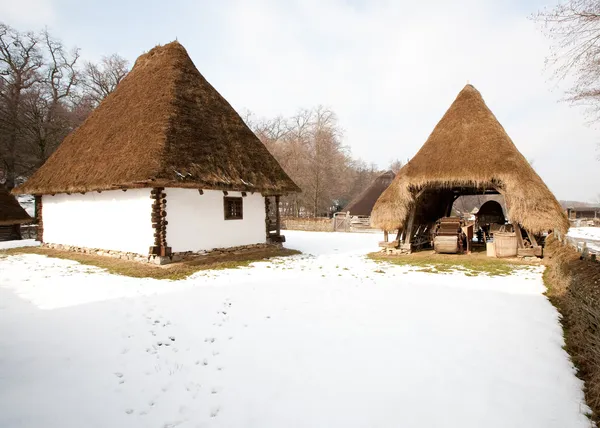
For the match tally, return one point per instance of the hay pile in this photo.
(164, 126)
(574, 288)
(469, 149)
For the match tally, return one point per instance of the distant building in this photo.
(575, 213)
(363, 204)
(12, 216)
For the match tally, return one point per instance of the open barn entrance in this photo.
(463, 219)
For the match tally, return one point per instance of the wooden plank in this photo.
(519, 236)
(277, 216)
(409, 226)
(468, 231)
(532, 239)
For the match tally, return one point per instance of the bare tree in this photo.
(574, 28)
(20, 70)
(101, 79)
(396, 165)
(49, 106)
(309, 147)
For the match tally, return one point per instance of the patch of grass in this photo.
(471, 264)
(172, 271)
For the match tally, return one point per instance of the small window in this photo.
(234, 210)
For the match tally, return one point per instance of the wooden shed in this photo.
(12, 216)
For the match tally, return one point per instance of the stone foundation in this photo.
(175, 257)
(396, 251)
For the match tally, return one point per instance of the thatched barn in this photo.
(467, 153)
(164, 165)
(363, 204)
(12, 216)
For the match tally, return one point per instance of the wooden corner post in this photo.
(39, 219)
(277, 217)
(159, 223)
(267, 217)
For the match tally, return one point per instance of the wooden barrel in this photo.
(505, 244)
(446, 244)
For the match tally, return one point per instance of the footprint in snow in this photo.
(214, 412)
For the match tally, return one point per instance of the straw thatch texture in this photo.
(469, 148)
(364, 202)
(164, 126)
(10, 210)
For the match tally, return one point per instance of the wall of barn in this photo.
(110, 220)
(197, 222)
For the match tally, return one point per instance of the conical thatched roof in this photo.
(469, 148)
(163, 126)
(363, 203)
(10, 210)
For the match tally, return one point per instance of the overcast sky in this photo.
(389, 69)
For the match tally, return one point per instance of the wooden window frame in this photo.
(227, 211)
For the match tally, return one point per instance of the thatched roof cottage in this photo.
(363, 204)
(467, 153)
(163, 165)
(12, 216)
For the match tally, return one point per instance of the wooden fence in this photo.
(589, 248)
(344, 222)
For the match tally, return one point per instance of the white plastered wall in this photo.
(197, 222)
(110, 220)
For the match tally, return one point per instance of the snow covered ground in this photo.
(5, 245)
(323, 339)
